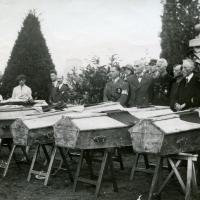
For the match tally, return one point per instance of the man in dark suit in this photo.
(140, 85)
(178, 76)
(189, 89)
(161, 86)
(62, 89)
(58, 91)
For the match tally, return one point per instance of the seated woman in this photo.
(22, 91)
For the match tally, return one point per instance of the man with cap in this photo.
(127, 71)
(22, 91)
(188, 95)
(116, 89)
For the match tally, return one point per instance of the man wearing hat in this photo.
(22, 91)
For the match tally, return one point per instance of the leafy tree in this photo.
(178, 21)
(29, 56)
(88, 85)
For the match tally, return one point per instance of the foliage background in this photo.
(178, 21)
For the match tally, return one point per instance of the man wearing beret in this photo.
(116, 89)
(22, 91)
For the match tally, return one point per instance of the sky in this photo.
(77, 30)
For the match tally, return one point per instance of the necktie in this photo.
(186, 81)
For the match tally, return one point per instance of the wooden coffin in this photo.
(167, 134)
(100, 131)
(91, 132)
(39, 128)
(35, 129)
(8, 114)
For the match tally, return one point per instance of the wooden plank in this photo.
(12, 114)
(49, 119)
(176, 125)
(104, 107)
(151, 113)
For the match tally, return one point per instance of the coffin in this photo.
(35, 129)
(91, 132)
(101, 131)
(39, 128)
(167, 134)
(8, 114)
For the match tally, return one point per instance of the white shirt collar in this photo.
(22, 86)
(60, 85)
(55, 83)
(116, 79)
(189, 77)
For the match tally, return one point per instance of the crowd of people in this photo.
(151, 84)
(140, 85)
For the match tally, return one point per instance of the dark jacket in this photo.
(58, 95)
(133, 86)
(161, 88)
(139, 91)
(63, 93)
(174, 91)
(189, 93)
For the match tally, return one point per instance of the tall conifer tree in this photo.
(29, 56)
(178, 21)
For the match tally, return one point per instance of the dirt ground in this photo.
(15, 186)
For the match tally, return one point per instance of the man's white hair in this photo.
(190, 61)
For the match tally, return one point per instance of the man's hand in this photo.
(183, 106)
(179, 107)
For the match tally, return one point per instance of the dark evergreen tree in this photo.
(29, 56)
(178, 21)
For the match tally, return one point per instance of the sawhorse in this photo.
(174, 162)
(191, 182)
(49, 160)
(106, 162)
(12, 148)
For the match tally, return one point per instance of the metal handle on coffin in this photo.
(50, 135)
(99, 139)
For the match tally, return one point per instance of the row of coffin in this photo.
(149, 130)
